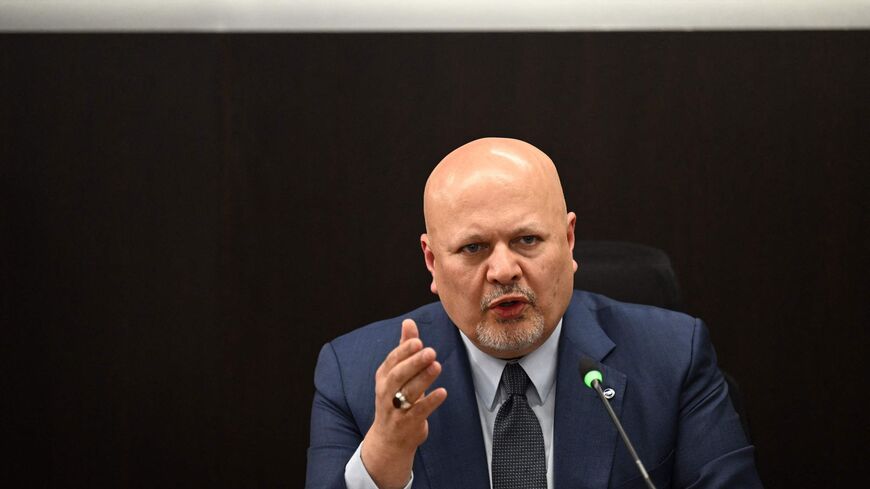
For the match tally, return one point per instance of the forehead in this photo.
(492, 205)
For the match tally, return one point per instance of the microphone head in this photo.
(589, 371)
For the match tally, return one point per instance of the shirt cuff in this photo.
(357, 477)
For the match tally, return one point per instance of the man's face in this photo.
(500, 251)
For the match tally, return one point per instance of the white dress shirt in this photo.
(540, 366)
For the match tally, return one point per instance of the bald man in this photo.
(426, 400)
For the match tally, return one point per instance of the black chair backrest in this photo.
(627, 272)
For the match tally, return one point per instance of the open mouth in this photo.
(508, 308)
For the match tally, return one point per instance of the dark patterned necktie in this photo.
(518, 460)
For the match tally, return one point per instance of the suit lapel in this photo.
(584, 435)
(453, 455)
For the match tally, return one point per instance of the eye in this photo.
(529, 240)
(471, 249)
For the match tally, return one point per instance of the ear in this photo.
(429, 257)
(572, 221)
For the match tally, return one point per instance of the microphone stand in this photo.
(597, 386)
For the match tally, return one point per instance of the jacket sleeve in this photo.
(712, 450)
(335, 434)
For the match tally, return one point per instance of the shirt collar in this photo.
(540, 366)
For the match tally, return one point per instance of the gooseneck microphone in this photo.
(592, 378)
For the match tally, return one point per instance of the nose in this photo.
(502, 266)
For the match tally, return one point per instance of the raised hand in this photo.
(389, 446)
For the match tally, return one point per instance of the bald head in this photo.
(499, 244)
(487, 166)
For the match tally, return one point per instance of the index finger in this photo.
(409, 330)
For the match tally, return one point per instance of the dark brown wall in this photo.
(186, 219)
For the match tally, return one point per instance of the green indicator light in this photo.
(592, 375)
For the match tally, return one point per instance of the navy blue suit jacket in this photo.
(670, 396)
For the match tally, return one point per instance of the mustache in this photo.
(502, 290)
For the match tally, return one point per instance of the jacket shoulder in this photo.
(613, 314)
(645, 338)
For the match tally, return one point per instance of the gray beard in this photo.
(509, 334)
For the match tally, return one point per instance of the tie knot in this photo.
(515, 379)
